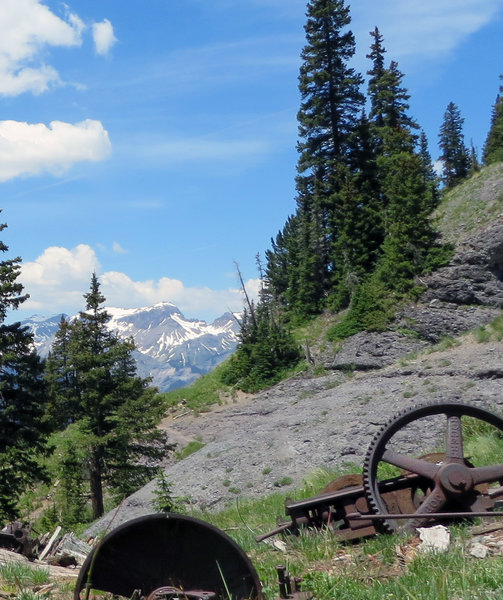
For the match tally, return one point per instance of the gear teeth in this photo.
(390, 428)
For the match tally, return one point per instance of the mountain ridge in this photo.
(170, 349)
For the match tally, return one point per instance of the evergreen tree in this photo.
(62, 404)
(331, 100)
(430, 177)
(407, 184)
(266, 348)
(95, 385)
(454, 154)
(474, 161)
(21, 395)
(331, 103)
(282, 261)
(265, 352)
(356, 216)
(493, 147)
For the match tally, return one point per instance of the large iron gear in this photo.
(455, 484)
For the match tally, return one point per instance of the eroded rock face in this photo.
(465, 294)
(365, 351)
(436, 319)
(475, 274)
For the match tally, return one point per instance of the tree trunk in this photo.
(96, 483)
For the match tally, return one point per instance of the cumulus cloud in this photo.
(27, 29)
(103, 35)
(58, 278)
(29, 149)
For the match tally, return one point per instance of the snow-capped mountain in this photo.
(171, 349)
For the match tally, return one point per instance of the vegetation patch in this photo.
(190, 448)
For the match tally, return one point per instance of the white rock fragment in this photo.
(478, 550)
(434, 539)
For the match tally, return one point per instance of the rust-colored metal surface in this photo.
(162, 551)
(444, 484)
(17, 538)
(289, 587)
(171, 593)
(456, 486)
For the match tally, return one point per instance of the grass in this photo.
(492, 332)
(373, 569)
(19, 576)
(200, 395)
(189, 449)
(471, 205)
(370, 570)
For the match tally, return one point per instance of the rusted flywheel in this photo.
(167, 557)
(456, 483)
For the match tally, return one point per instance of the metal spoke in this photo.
(454, 442)
(433, 504)
(487, 474)
(414, 465)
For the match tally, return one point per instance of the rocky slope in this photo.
(301, 425)
(275, 439)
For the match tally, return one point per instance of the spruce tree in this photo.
(62, 403)
(282, 261)
(407, 185)
(493, 147)
(331, 104)
(116, 412)
(430, 177)
(356, 216)
(454, 154)
(21, 395)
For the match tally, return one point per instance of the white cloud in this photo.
(103, 35)
(26, 27)
(58, 278)
(118, 249)
(427, 29)
(29, 149)
(202, 149)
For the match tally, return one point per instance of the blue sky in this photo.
(154, 141)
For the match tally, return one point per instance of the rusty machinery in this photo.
(17, 538)
(169, 557)
(450, 482)
(173, 557)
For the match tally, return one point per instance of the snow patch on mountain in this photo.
(171, 349)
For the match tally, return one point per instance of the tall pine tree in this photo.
(92, 376)
(331, 104)
(454, 154)
(21, 395)
(407, 187)
(493, 147)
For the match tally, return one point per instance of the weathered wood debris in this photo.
(61, 553)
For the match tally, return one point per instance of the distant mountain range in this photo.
(171, 349)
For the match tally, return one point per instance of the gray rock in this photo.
(475, 273)
(439, 319)
(365, 351)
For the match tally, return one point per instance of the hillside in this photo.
(276, 438)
